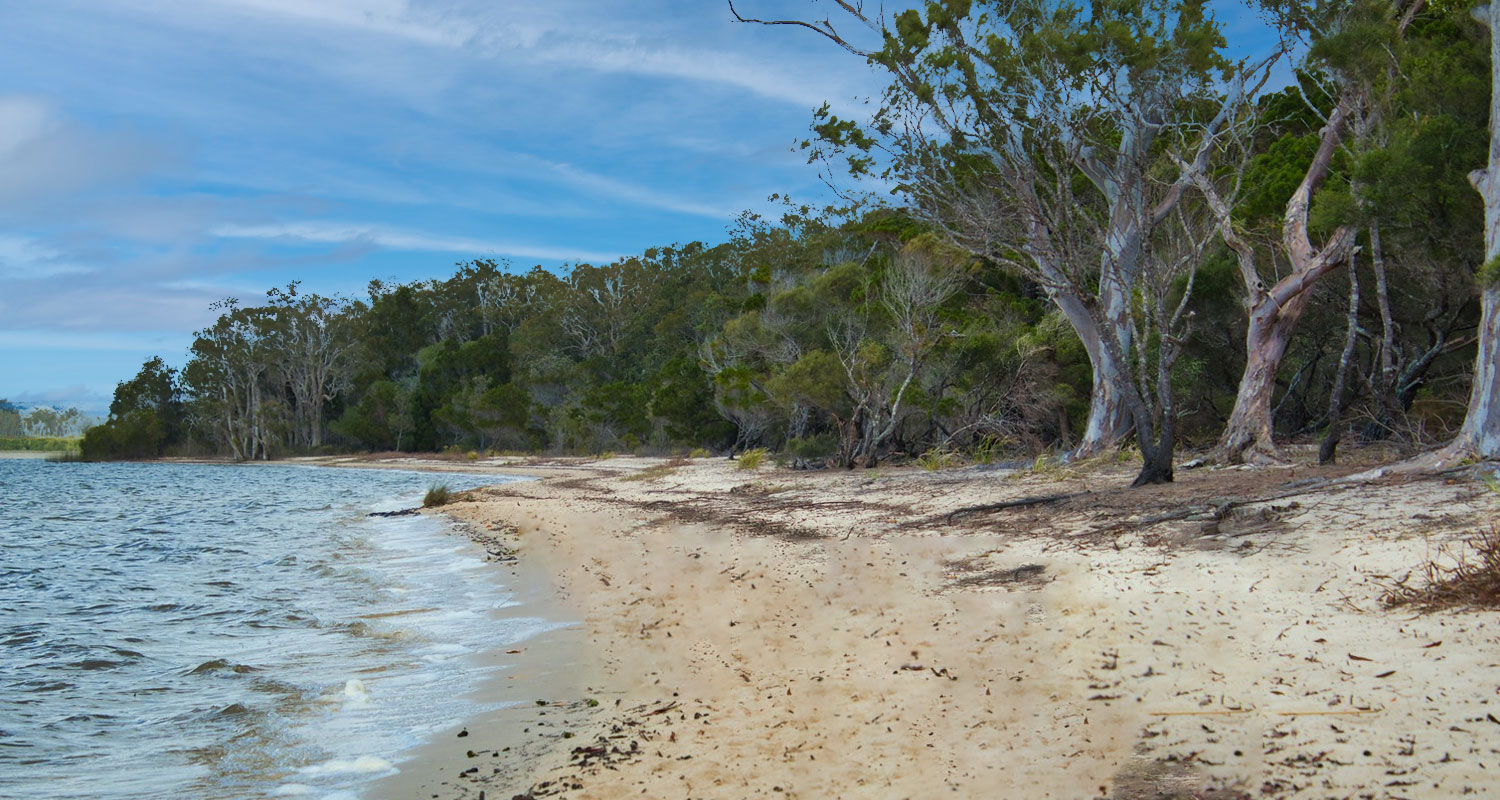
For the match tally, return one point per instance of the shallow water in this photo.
(231, 632)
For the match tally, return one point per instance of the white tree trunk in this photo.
(1480, 434)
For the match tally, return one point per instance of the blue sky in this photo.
(159, 155)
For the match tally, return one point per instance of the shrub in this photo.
(699, 452)
(438, 494)
(752, 459)
(937, 458)
(812, 450)
(135, 434)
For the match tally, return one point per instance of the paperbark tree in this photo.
(1479, 437)
(1273, 311)
(1035, 133)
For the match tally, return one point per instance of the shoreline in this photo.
(781, 634)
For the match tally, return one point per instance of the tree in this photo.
(146, 415)
(314, 348)
(227, 380)
(10, 418)
(1060, 140)
(1480, 434)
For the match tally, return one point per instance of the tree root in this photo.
(986, 508)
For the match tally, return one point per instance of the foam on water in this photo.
(219, 632)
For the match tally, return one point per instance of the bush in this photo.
(937, 458)
(752, 459)
(812, 450)
(438, 494)
(136, 434)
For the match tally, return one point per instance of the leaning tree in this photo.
(1062, 141)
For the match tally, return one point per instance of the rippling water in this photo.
(230, 632)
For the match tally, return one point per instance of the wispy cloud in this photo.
(44, 155)
(640, 195)
(393, 239)
(23, 257)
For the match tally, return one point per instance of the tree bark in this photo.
(1109, 419)
(1328, 449)
(1480, 434)
(1274, 312)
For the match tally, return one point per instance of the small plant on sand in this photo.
(752, 459)
(654, 472)
(1472, 580)
(938, 458)
(699, 452)
(1049, 465)
(438, 494)
(987, 450)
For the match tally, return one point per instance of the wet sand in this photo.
(846, 634)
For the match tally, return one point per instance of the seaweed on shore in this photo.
(1470, 581)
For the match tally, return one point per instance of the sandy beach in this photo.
(871, 633)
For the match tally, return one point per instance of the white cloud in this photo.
(523, 34)
(638, 194)
(347, 233)
(22, 257)
(44, 155)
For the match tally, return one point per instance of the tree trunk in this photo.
(1157, 466)
(1248, 435)
(1480, 434)
(1274, 312)
(1109, 419)
(1328, 449)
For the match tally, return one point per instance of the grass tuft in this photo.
(1472, 580)
(938, 458)
(752, 459)
(438, 494)
(654, 472)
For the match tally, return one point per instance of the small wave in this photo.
(46, 686)
(361, 766)
(96, 663)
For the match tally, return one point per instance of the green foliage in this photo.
(40, 444)
(137, 434)
(938, 458)
(10, 419)
(1488, 273)
(753, 459)
(438, 494)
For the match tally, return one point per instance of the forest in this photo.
(1097, 225)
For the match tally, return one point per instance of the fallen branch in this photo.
(988, 507)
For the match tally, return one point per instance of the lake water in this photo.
(182, 631)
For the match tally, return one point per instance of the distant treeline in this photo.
(1105, 232)
(39, 422)
(38, 444)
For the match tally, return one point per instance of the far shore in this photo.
(28, 454)
(899, 633)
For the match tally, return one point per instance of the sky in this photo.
(157, 156)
